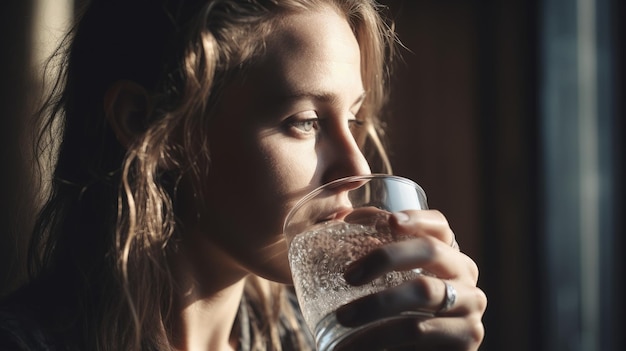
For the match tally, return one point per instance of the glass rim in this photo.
(355, 178)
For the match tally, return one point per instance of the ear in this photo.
(126, 108)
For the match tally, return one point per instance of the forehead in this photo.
(310, 50)
(310, 31)
(307, 54)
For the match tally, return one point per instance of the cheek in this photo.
(253, 182)
(283, 173)
(250, 191)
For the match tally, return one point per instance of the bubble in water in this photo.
(318, 260)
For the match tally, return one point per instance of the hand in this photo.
(434, 250)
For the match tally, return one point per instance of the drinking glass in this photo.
(335, 225)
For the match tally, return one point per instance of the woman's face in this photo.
(281, 130)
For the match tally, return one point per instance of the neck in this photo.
(211, 290)
(207, 323)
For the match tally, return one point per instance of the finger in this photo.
(423, 334)
(424, 252)
(468, 331)
(422, 223)
(423, 295)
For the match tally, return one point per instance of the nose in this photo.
(342, 156)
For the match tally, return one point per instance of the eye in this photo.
(356, 126)
(305, 125)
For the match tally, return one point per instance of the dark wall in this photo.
(16, 99)
(464, 126)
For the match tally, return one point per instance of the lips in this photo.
(317, 210)
(335, 214)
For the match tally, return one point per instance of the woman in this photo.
(189, 129)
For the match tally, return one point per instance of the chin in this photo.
(270, 262)
(275, 269)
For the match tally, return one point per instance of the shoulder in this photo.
(19, 331)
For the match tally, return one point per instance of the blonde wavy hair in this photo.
(109, 224)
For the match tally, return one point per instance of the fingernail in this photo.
(353, 275)
(401, 217)
(346, 314)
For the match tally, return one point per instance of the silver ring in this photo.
(449, 298)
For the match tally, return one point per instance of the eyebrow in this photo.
(319, 96)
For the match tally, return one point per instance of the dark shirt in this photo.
(19, 331)
(288, 338)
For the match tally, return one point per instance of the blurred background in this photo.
(510, 113)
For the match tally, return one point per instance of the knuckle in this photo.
(474, 271)
(477, 332)
(481, 299)
(438, 214)
(471, 270)
(431, 247)
(442, 219)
